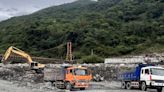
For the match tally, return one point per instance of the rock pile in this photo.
(19, 72)
(23, 76)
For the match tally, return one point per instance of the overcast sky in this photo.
(10, 8)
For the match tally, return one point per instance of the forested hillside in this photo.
(108, 27)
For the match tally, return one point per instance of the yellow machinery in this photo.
(33, 65)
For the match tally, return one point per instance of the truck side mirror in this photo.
(89, 72)
(71, 71)
(68, 71)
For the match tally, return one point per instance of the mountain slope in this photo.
(109, 27)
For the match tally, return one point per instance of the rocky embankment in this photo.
(21, 75)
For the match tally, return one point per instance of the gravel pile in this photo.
(21, 75)
(19, 72)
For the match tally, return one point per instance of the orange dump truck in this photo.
(68, 77)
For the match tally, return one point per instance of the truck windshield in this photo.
(81, 72)
(156, 71)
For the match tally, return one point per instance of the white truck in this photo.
(144, 76)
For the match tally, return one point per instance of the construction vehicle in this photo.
(68, 76)
(144, 76)
(33, 65)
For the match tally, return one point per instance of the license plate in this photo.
(159, 84)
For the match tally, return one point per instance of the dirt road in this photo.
(111, 87)
(6, 86)
(115, 90)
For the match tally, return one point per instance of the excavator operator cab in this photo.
(34, 64)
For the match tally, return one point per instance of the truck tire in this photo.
(82, 88)
(59, 84)
(68, 86)
(159, 89)
(128, 85)
(143, 86)
(123, 85)
(39, 71)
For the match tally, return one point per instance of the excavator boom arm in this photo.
(17, 51)
(6, 55)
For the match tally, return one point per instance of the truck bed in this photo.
(54, 74)
(130, 76)
(135, 74)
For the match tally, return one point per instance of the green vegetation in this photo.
(92, 59)
(109, 27)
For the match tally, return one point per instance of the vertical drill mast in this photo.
(69, 52)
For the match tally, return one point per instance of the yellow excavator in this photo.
(33, 65)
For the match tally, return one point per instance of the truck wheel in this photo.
(123, 85)
(39, 71)
(68, 86)
(143, 86)
(82, 88)
(159, 89)
(59, 84)
(128, 85)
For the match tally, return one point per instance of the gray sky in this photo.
(10, 8)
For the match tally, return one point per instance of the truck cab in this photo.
(77, 77)
(152, 76)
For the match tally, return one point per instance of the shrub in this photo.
(92, 59)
